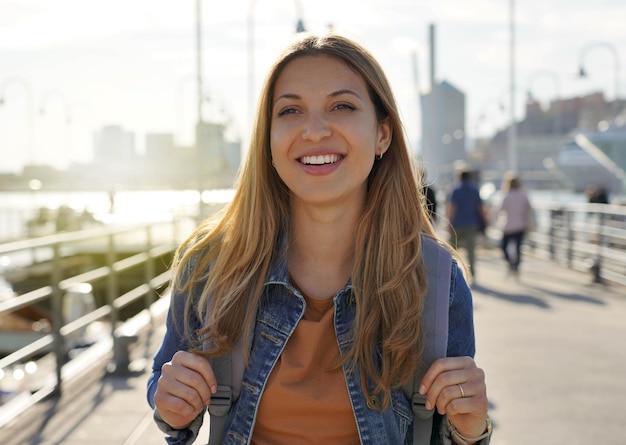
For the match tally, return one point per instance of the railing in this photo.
(122, 251)
(586, 237)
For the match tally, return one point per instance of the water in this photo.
(17, 208)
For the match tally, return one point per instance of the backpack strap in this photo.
(438, 264)
(228, 369)
(221, 401)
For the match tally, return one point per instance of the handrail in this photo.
(152, 280)
(584, 237)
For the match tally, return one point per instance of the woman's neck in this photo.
(321, 249)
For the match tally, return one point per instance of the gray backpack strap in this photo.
(438, 264)
(228, 370)
(221, 401)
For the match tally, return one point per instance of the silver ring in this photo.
(461, 389)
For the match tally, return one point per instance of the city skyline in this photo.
(133, 64)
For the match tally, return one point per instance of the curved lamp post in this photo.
(250, 29)
(29, 108)
(583, 73)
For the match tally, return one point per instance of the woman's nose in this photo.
(316, 127)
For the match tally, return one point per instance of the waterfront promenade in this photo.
(551, 343)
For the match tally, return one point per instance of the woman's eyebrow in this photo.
(345, 91)
(341, 92)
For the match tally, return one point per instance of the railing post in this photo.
(112, 286)
(602, 241)
(149, 272)
(57, 315)
(552, 233)
(570, 237)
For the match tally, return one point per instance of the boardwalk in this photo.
(551, 344)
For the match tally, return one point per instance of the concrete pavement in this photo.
(551, 344)
(553, 348)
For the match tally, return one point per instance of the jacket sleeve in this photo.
(461, 341)
(173, 341)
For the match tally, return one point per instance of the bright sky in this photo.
(132, 63)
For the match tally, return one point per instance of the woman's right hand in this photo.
(184, 388)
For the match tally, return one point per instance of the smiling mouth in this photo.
(320, 160)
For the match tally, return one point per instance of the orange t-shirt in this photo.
(306, 400)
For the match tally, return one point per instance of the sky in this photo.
(70, 67)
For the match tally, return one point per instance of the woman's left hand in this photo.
(456, 387)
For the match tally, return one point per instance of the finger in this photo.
(198, 364)
(441, 366)
(462, 398)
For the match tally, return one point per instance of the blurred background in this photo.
(101, 99)
(123, 123)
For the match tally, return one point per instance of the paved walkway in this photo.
(551, 344)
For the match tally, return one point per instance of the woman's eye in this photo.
(286, 111)
(345, 107)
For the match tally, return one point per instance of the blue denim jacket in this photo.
(280, 310)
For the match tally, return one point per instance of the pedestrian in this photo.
(467, 215)
(597, 194)
(514, 215)
(431, 201)
(314, 269)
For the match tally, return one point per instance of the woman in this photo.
(316, 266)
(514, 216)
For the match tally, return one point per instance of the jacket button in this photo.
(373, 402)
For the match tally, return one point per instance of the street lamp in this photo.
(29, 107)
(250, 28)
(583, 73)
(512, 135)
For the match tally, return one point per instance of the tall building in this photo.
(443, 127)
(114, 145)
(115, 157)
(218, 158)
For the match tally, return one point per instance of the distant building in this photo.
(545, 137)
(160, 147)
(443, 128)
(115, 158)
(114, 145)
(219, 158)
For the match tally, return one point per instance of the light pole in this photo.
(512, 135)
(557, 92)
(583, 73)
(29, 109)
(250, 28)
(199, 99)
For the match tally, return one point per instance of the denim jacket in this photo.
(281, 308)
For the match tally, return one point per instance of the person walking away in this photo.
(467, 215)
(514, 215)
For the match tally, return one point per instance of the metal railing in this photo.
(585, 237)
(121, 251)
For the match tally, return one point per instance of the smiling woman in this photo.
(314, 278)
(325, 134)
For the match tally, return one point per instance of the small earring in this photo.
(380, 156)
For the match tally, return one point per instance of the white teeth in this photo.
(320, 160)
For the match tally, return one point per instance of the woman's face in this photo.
(324, 133)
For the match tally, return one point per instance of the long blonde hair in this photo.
(389, 280)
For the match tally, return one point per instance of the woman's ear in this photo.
(385, 134)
